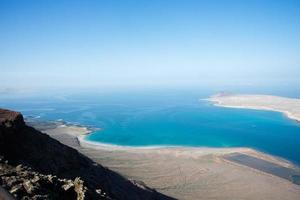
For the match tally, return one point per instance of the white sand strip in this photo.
(289, 106)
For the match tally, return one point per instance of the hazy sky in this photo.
(49, 43)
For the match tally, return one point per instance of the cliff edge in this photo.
(36, 166)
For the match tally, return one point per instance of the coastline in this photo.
(195, 150)
(184, 172)
(79, 132)
(191, 172)
(291, 108)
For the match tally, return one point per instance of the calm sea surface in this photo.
(167, 118)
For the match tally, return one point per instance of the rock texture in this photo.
(24, 183)
(35, 166)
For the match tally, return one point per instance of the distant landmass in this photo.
(289, 106)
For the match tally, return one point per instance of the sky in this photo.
(142, 43)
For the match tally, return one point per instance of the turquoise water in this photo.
(169, 119)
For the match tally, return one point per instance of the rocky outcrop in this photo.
(24, 183)
(36, 165)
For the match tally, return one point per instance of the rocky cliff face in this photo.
(35, 166)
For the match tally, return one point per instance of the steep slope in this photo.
(38, 154)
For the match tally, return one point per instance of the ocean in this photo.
(166, 118)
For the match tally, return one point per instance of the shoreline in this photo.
(79, 132)
(186, 173)
(198, 150)
(260, 103)
(287, 114)
(189, 173)
(216, 150)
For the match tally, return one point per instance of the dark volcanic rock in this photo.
(24, 183)
(11, 119)
(33, 157)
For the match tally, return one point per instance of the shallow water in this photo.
(174, 118)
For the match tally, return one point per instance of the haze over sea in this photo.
(167, 118)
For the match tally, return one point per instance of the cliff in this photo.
(36, 166)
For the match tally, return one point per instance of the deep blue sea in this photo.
(167, 118)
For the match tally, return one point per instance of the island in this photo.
(289, 106)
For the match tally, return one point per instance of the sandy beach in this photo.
(182, 172)
(288, 106)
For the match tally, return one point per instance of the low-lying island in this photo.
(289, 106)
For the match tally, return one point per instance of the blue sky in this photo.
(49, 43)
